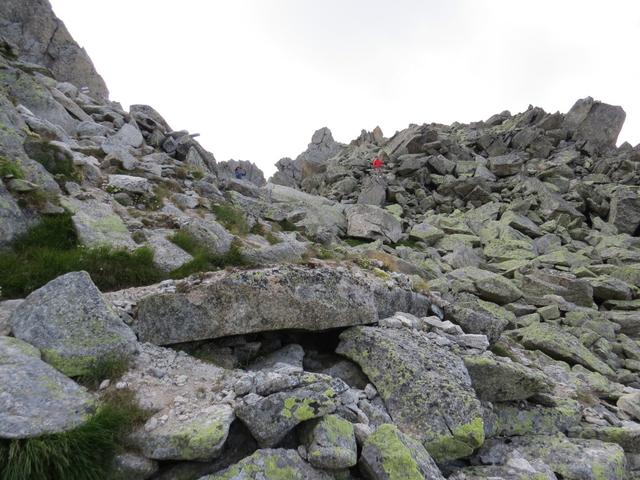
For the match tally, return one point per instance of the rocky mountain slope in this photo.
(470, 313)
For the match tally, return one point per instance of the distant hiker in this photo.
(239, 172)
(377, 165)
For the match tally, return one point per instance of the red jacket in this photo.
(377, 163)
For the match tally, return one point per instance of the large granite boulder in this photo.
(72, 325)
(498, 379)
(284, 297)
(625, 210)
(425, 387)
(597, 123)
(371, 222)
(36, 399)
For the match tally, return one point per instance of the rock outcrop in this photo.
(42, 38)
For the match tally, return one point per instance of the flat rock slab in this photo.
(284, 297)
(36, 399)
(271, 464)
(425, 387)
(70, 322)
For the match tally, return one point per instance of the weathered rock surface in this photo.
(331, 443)
(426, 388)
(72, 325)
(270, 418)
(389, 454)
(271, 464)
(238, 302)
(367, 221)
(36, 399)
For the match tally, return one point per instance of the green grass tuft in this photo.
(203, 259)
(111, 368)
(51, 249)
(232, 218)
(84, 453)
(356, 242)
(9, 168)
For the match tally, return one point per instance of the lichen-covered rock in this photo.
(474, 320)
(271, 464)
(559, 344)
(368, 221)
(270, 418)
(497, 379)
(209, 233)
(595, 122)
(167, 256)
(574, 459)
(331, 443)
(425, 387)
(509, 419)
(289, 296)
(488, 285)
(200, 438)
(97, 225)
(389, 454)
(630, 404)
(628, 437)
(552, 282)
(72, 325)
(36, 399)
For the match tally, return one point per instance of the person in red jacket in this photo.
(377, 165)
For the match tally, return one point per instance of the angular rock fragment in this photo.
(425, 387)
(72, 325)
(331, 443)
(35, 398)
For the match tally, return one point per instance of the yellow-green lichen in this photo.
(394, 456)
(463, 441)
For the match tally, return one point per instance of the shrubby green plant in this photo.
(231, 217)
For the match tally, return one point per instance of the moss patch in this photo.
(231, 217)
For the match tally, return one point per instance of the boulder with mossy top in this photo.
(425, 387)
(35, 398)
(572, 458)
(200, 438)
(271, 464)
(271, 417)
(71, 323)
(282, 297)
(559, 344)
(487, 285)
(389, 454)
(330, 443)
(498, 379)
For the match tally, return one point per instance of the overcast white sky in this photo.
(256, 77)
